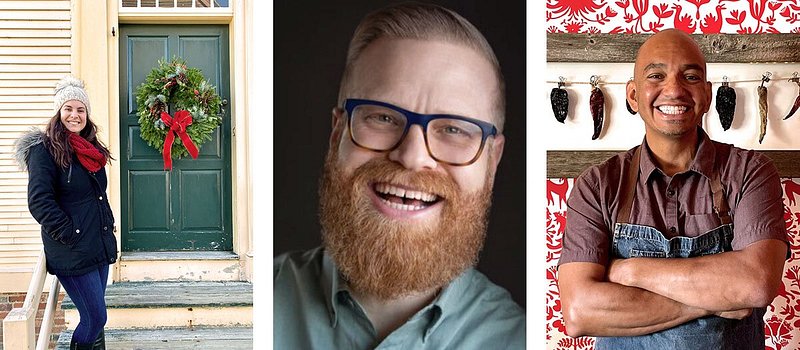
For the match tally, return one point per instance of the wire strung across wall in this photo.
(725, 79)
(725, 101)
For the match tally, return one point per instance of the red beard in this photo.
(389, 258)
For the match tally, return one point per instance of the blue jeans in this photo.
(88, 293)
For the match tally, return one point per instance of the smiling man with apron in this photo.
(678, 243)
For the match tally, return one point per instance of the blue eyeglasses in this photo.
(450, 139)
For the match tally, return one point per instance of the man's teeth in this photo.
(399, 206)
(403, 193)
(672, 109)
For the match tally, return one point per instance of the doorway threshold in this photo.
(189, 255)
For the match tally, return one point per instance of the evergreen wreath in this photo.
(170, 87)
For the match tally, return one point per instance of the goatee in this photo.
(391, 258)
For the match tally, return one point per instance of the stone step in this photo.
(179, 266)
(210, 338)
(173, 304)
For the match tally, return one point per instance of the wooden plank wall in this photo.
(34, 55)
(718, 48)
(570, 164)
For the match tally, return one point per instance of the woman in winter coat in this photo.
(66, 195)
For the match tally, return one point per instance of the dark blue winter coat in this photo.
(72, 206)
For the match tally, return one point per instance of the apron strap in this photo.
(720, 202)
(629, 186)
(632, 176)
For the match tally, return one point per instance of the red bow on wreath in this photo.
(178, 126)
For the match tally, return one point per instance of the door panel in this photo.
(188, 208)
(137, 148)
(199, 200)
(146, 51)
(202, 52)
(149, 202)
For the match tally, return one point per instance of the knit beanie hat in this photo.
(70, 88)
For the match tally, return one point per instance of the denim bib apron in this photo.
(632, 240)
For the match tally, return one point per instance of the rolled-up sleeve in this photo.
(586, 236)
(759, 209)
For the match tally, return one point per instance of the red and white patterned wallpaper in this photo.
(783, 315)
(692, 16)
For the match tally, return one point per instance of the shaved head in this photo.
(670, 89)
(670, 40)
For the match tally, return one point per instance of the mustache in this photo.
(381, 170)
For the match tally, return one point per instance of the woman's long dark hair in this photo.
(58, 140)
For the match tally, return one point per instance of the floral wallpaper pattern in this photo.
(783, 315)
(692, 16)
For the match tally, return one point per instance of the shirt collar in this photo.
(445, 304)
(703, 162)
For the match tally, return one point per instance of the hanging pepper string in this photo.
(626, 82)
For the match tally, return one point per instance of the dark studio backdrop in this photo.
(311, 39)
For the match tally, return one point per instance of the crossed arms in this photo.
(639, 296)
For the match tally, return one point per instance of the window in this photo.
(174, 3)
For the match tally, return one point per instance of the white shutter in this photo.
(34, 55)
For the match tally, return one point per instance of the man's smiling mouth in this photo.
(672, 109)
(400, 198)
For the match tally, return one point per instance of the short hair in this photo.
(423, 22)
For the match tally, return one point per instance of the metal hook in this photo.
(561, 82)
(593, 80)
(795, 78)
(724, 80)
(765, 78)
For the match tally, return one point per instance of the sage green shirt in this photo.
(312, 309)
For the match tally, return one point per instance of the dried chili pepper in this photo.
(762, 106)
(559, 99)
(796, 105)
(726, 104)
(596, 102)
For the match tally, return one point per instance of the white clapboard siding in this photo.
(23, 24)
(37, 33)
(26, 5)
(14, 215)
(35, 52)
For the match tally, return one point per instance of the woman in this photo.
(66, 195)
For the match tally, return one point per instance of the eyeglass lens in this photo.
(449, 139)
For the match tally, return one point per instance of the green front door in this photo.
(188, 208)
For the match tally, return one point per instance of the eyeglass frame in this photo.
(414, 118)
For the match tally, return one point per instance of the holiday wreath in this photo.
(194, 104)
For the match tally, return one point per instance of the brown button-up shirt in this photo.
(680, 205)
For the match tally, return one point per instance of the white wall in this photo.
(623, 130)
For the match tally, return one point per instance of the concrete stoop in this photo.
(166, 314)
(209, 338)
(179, 266)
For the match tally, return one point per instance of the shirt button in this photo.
(105, 228)
(673, 229)
(77, 230)
(101, 197)
(671, 192)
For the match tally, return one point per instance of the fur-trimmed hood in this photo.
(23, 145)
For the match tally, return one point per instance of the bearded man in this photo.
(404, 199)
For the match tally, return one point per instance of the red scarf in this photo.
(88, 155)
